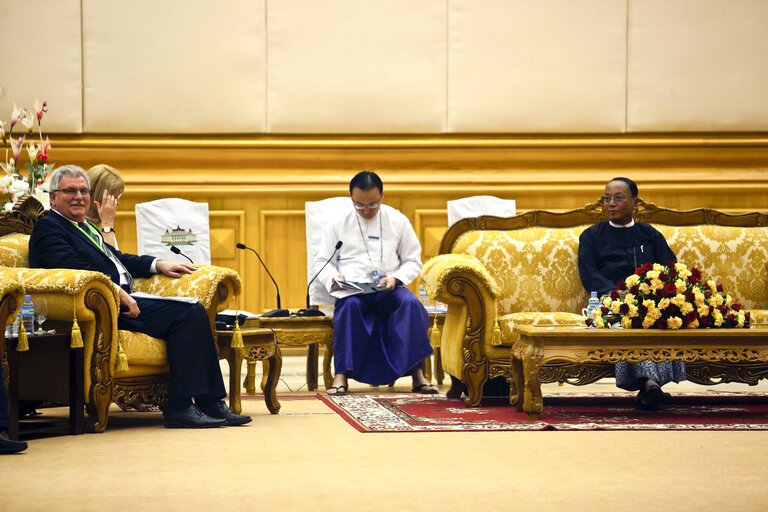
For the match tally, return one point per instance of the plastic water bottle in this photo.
(424, 298)
(593, 303)
(28, 314)
(15, 326)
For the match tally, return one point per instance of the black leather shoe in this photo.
(191, 417)
(220, 410)
(10, 446)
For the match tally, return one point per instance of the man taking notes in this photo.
(381, 336)
(64, 239)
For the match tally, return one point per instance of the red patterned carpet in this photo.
(710, 410)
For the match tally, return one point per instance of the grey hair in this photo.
(67, 170)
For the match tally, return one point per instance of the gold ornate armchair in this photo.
(495, 273)
(11, 297)
(119, 364)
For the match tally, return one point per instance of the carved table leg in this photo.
(517, 385)
(428, 368)
(327, 375)
(265, 374)
(533, 402)
(270, 393)
(250, 377)
(235, 360)
(312, 356)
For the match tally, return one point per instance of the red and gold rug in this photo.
(711, 410)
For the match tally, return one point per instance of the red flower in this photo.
(720, 288)
(634, 290)
(588, 321)
(695, 272)
(707, 295)
(648, 267)
(736, 306)
(614, 295)
(672, 273)
(640, 271)
(642, 310)
(673, 310)
(689, 296)
(705, 321)
(660, 324)
(624, 309)
(637, 322)
(604, 310)
(731, 317)
(622, 285)
(664, 276)
(747, 315)
(42, 158)
(723, 309)
(671, 264)
(660, 293)
(613, 319)
(670, 289)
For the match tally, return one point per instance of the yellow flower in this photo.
(680, 267)
(648, 303)
(652, 274)
(629, 299)
(648, 321)
(607, 302)
(645, 289)
(674, 322)
(718, 317)
(632, 280)
(599, 323)
(678, 300)
(693, 325)
(699, 300)
(685, 274)
(632, 313)
(658, 267)
(626, 322)
(657, 284)
(703, 310)
(712, 286)
(615, 305)
(686, 308)
(728, 301)
(716, 300)
(740, 318)
(680, 284)
(664, 303)
(654, 313)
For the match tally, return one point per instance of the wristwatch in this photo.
(107, 230)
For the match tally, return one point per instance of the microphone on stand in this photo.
(274, 312)
(316, 312)
(176, 250)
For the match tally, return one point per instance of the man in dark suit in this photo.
(7, 445)
(64, 239)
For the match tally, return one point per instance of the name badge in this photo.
(372, 237)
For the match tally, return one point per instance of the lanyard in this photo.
(381, 240)
(96, 241)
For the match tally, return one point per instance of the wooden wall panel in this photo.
(256, 187)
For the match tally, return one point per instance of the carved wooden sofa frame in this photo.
(95, 304)
(474, 297)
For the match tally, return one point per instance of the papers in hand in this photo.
(353, 288)
(141, 295)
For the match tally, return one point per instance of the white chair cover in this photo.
(318, 215)
(476, 206)
(166, 222)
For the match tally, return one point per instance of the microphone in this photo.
(274, 312)
(176, 250)
(316, 312)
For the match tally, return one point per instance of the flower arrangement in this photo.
(668, 297)
(13, 184)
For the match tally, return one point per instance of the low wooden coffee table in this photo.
(542, 345)
(259, 345)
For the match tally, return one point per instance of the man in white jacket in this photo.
(380, 336)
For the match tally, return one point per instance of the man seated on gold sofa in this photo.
(608, 253)
(64, 239)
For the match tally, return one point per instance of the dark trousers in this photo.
(3, 403)
(192, 358)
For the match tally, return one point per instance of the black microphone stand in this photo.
(176, 250)
(308, 311)
(275, 312)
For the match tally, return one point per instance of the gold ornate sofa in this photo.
(119, 364)
(11, 297)
(495, 273)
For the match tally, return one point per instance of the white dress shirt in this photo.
(386, 242)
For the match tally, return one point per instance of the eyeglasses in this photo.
(616, 199)
(72, 191)
(371, 206)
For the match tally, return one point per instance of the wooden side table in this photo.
(260, 345)
(51, 371)
(300, 331)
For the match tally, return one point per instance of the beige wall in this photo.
(394, 66)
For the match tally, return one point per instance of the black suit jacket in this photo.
(56, 243)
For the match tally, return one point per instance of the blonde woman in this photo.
(107, 186)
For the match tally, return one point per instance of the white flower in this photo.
(9, 168)
(8, 206)
(5, 181)
(2, 130)
(18, 186)
(42, 197)
(32, 151)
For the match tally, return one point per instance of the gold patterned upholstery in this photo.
(91, 298)
(497, 273)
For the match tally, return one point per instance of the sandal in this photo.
(337, 390)
(425, 389)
